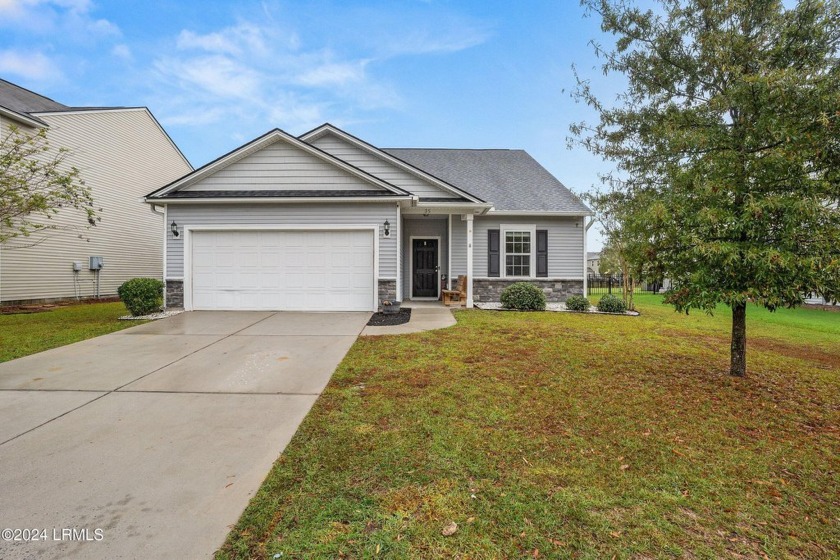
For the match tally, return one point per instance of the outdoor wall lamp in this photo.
(174, 229)
(387, 225)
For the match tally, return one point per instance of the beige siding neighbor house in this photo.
(122, 153)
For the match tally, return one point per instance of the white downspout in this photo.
(469, 220)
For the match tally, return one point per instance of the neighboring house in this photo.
(593, 263)
(327, 221)
(122, 153)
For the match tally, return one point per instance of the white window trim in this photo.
(504, 229)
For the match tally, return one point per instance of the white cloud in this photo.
(122, 51)
(217, 75)
(70, 19)
(333, 73)
(264, 74)
(34, 66)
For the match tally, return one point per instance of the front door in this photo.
(424, 258)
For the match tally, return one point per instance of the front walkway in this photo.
(425, 316)
(151, 441)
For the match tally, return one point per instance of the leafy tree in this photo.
(35, 184)
(612, 210)
(729, 129)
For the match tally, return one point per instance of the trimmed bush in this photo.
(523, 296)
(611, 304)
(142, 296)
(577, 303)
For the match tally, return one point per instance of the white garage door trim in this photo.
(189, 230)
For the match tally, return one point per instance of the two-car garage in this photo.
(281, 269)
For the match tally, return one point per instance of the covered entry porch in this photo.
(435, 246)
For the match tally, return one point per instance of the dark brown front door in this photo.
(425, 264)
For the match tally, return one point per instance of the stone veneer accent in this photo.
(554, 290)
(174, 293)
(387, 290)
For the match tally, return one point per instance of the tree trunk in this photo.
(738, 349)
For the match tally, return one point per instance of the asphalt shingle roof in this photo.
(21, 100)
(510, 179)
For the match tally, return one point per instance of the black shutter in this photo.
(493, 253)
(542, 252)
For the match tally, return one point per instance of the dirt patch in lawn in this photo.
(800, 352)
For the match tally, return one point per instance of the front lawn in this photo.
(557, 435)
(24, 334)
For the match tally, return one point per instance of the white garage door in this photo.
(283, 270)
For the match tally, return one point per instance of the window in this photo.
(518, 253)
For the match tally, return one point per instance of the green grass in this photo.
(558, 435)
(24, 334)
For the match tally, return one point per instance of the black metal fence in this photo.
(609, 284)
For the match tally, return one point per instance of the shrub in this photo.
(577, 303)
(523, 297)
(611, 304)
(142, 295)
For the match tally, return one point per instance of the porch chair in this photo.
(459, 294)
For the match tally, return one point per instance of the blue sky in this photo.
(470, 74)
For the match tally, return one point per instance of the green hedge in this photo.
(142, 296)
(523, 296)
(577, 303)
(611, 304)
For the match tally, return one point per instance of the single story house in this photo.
(326, 221)
(122, 153)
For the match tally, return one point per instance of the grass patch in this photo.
(26, 334)
(566, 436)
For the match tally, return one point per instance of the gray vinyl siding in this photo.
(281, 166)
(459, 246)
(122, 155)
(284, 214)
(565, 243)
(418, 226)
(379, 167)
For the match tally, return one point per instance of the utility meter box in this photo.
(96, 263)
(77, 266)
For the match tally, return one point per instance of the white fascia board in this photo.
(447, 208)
(266, 140)
(273, 200)
(373, 150)
(23, 119)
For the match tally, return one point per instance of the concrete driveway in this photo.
(150, 442)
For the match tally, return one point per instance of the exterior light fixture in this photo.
(174, 229)
(387, 225)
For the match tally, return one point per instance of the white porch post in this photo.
(469, 220)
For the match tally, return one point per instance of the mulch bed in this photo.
(390, 319)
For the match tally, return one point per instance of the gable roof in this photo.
(173, 190)
(423, 174)
(511, 179)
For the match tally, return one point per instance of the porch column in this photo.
(469, 220)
